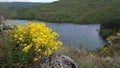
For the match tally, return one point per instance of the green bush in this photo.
(109, 28)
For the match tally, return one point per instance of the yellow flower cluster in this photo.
(36, 37)
(118, 34)
(105, 49)
(109, 38)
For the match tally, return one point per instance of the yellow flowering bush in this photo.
(36, 37)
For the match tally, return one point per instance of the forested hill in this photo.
(16, 5)
(9, 9)
(76, 11)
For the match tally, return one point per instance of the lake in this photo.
(73, 35)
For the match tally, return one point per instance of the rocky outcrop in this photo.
(54, 61)
(2, 19)
(4, 25)
(113, 41)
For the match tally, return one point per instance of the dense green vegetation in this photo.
(9, 9)
(110, 28)
(16, 5)
(6, 11)
(76, 11)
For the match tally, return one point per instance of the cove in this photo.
(73, 35)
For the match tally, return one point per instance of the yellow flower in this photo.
(105, 49)
(20, 39)
(39, 50)
(15, 36)
(55, 48)
(36, 59)
(27, 48)
(118, 34)
(109, 38)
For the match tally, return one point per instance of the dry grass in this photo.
(88, 60)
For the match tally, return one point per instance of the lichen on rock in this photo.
(54, 61)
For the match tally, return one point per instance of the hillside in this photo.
(76, 11)
(8, 9)
(16, 5)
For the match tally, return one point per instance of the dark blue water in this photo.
(81, 36)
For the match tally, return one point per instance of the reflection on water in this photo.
(81, 36)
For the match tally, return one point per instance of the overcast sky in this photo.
(27, 0)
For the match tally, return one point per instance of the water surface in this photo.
(81, 36)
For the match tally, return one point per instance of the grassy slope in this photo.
(76, 11)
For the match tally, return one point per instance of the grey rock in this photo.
(4, 25)
(109, 59)
(2, 19)
(68, 62)
(55, 61)
(113, 41)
